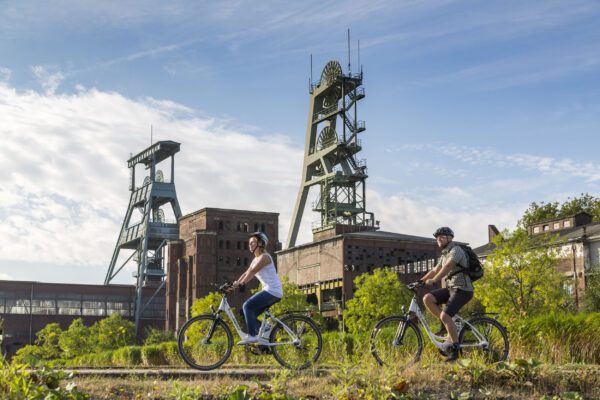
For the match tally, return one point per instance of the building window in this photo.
(227, 244)
(262, 227)
(245, 227)
(239, 245)
(238, 262)
(546, 228)
(239, 227)
(567, 224)
(220, 244)
(220, 224)
(255, 227)
(536, 229)
(556, 225)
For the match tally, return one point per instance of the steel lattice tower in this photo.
(148, 237)
(330, 154)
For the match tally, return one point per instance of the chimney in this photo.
(492, 232)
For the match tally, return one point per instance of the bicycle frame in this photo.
(438, 341)
(224, 307)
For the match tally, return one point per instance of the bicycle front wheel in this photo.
(205, 342)
(396, 341)
(300, 353)
(473, 344)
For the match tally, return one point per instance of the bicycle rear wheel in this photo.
(493, 332)
(299, 355)
(205, 342)
(396, 341)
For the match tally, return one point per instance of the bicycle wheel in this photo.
(493, 332)
(301, 354)
(396, 341)
(205, 342)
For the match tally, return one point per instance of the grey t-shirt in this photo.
(459, 280)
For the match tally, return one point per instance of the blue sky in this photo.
(473, 111)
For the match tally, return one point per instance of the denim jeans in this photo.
(255, 306)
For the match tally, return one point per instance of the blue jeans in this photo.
(255, 306)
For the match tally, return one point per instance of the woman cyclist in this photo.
(263, 268)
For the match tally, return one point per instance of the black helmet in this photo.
(260, 236)
(444, 230)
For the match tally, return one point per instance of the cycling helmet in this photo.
(444, 230)
(260, 236)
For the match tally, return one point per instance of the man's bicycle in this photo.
(205, 341)
(397, 340)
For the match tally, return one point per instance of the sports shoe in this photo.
(445, 346)
(253, 340)
(453, 351)
(442, 331)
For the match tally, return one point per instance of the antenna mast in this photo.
(349, 69)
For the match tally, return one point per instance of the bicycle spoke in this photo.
(395, 341)
(493, 333)
(204, 342)
(299, 352)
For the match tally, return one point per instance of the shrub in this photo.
(112, 333)
(127, 356)
(156, 336)
(75, 340)
(29, 354)
(170, 353)
(152, 355)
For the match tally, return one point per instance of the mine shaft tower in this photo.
(330, 154)
(147, 238)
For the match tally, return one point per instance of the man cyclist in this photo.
(457, 292)
(263, 268)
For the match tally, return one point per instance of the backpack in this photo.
(473, 268)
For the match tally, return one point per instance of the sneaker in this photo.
(453, 351)
(445, 346)
(442, 331)
(253, 340)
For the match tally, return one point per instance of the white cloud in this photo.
(47, 78)
(5, 277)
(5, 75)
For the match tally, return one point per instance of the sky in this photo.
(473, 109)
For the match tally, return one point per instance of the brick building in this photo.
(212, 248)
(580, 250)
(327, 267)
(27, 307)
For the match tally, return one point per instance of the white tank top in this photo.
(268, 278)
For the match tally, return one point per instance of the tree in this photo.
(520, 276)
(295, 300)
(112, 332)
(75, 340)
(377, 295)
(591, 296)
(47, 341)
(545, 211)
(202, 305)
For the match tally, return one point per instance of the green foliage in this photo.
(377, 295)
(170, 352)
(47, 340)
(152, 355)
(75, 341)
(127, 356)
(29, 354)
(559, 337)
(591, 296)
(545, 211)
(202, 305)
(521, 370)
(157, 336)
(295, 300)
(17, 382)
(521, 278)
(112, 333)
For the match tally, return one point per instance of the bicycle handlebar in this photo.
(415, 285)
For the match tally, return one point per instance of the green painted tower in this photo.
(330, 155)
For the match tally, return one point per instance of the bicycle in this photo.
(205, 341)
(398, 340)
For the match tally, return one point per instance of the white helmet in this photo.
(261, 236)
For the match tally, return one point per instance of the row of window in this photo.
(71, 307)
(241, 245)
(241, 226)
(555, 226)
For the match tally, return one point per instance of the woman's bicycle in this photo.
(205, 341)
(397, 340)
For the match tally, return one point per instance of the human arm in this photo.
(260, 263)
(439, 273)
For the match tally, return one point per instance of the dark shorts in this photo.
(454, 299)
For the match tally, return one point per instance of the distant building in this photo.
(581, 250)
(326, 268)
(27, 307)
(212, 248)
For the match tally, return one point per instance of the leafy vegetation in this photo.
(521, 278)
(542, 211)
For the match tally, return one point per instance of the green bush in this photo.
(338, 347)
(559, 337)
(127, 356)
(157, 336)
(152, 355)
(170, 353)
(29, 354)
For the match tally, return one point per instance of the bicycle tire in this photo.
(200, 351)
(493, 331)
(387, 350)
(301, 355)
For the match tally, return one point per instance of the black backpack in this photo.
(473, 268)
